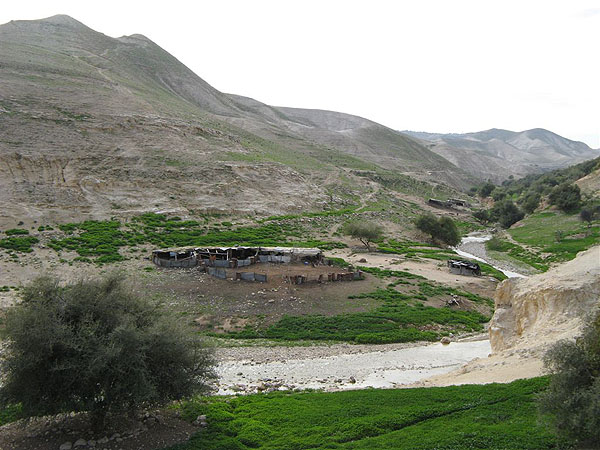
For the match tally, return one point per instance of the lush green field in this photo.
(548, 237)
(518, 253)
(400, 316)
(493, 416)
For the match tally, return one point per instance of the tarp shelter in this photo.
(177, 257)
(461, 267)
(234, 256)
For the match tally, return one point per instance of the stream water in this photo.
(481, 239)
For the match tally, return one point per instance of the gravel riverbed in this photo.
(340, 366)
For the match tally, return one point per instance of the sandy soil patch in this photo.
(431, 269)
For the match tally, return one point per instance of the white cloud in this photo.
(424, 65)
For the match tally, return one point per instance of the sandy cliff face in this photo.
(537, 311)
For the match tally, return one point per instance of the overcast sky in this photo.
(440, 66)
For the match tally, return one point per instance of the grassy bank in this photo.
(547, 237)
(560, 236)
(493, 416)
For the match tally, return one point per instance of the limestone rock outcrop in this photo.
(537, 311)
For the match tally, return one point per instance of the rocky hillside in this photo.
(92, 126)
(496, 154)
(590, 184)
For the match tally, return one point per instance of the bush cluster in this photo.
(443, 229)
(95, 346)
(573, 397)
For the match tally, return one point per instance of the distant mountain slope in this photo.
(95, 126)
(497, 154)
(355, 136)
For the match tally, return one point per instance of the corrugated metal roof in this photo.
(296, 250)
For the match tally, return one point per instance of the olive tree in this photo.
(506, 213)
(365, 232)
(95, 346)
(443, 229)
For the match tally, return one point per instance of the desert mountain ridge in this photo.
(93, 126)
(497, 154)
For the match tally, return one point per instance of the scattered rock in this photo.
(445, 340)
(66, 446)
(80, 443)
(352, 380)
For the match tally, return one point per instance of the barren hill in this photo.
(93, 126)
(496, 154)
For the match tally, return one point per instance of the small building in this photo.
(231, 257)
(461, 267)
(452, 203)
(176, 257)
(459, 202)
(290, 255)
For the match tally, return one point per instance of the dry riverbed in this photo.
(341, 366)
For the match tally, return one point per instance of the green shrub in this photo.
(365, 232)
(486, 189)
(95, 346)
(573, 397)
(16, 231)
(506, 213)
(482, 215)
(19, 244)
(442, 229)
(566, 196)
(531, 202)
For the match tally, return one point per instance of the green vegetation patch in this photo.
(10, 413)
(103, 239)
(16, 231)
(492, 416)
(18, 243)
(517, 252)
(401, 317)
(553, 237)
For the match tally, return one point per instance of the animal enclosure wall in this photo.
(251, 276)
(175, 263)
